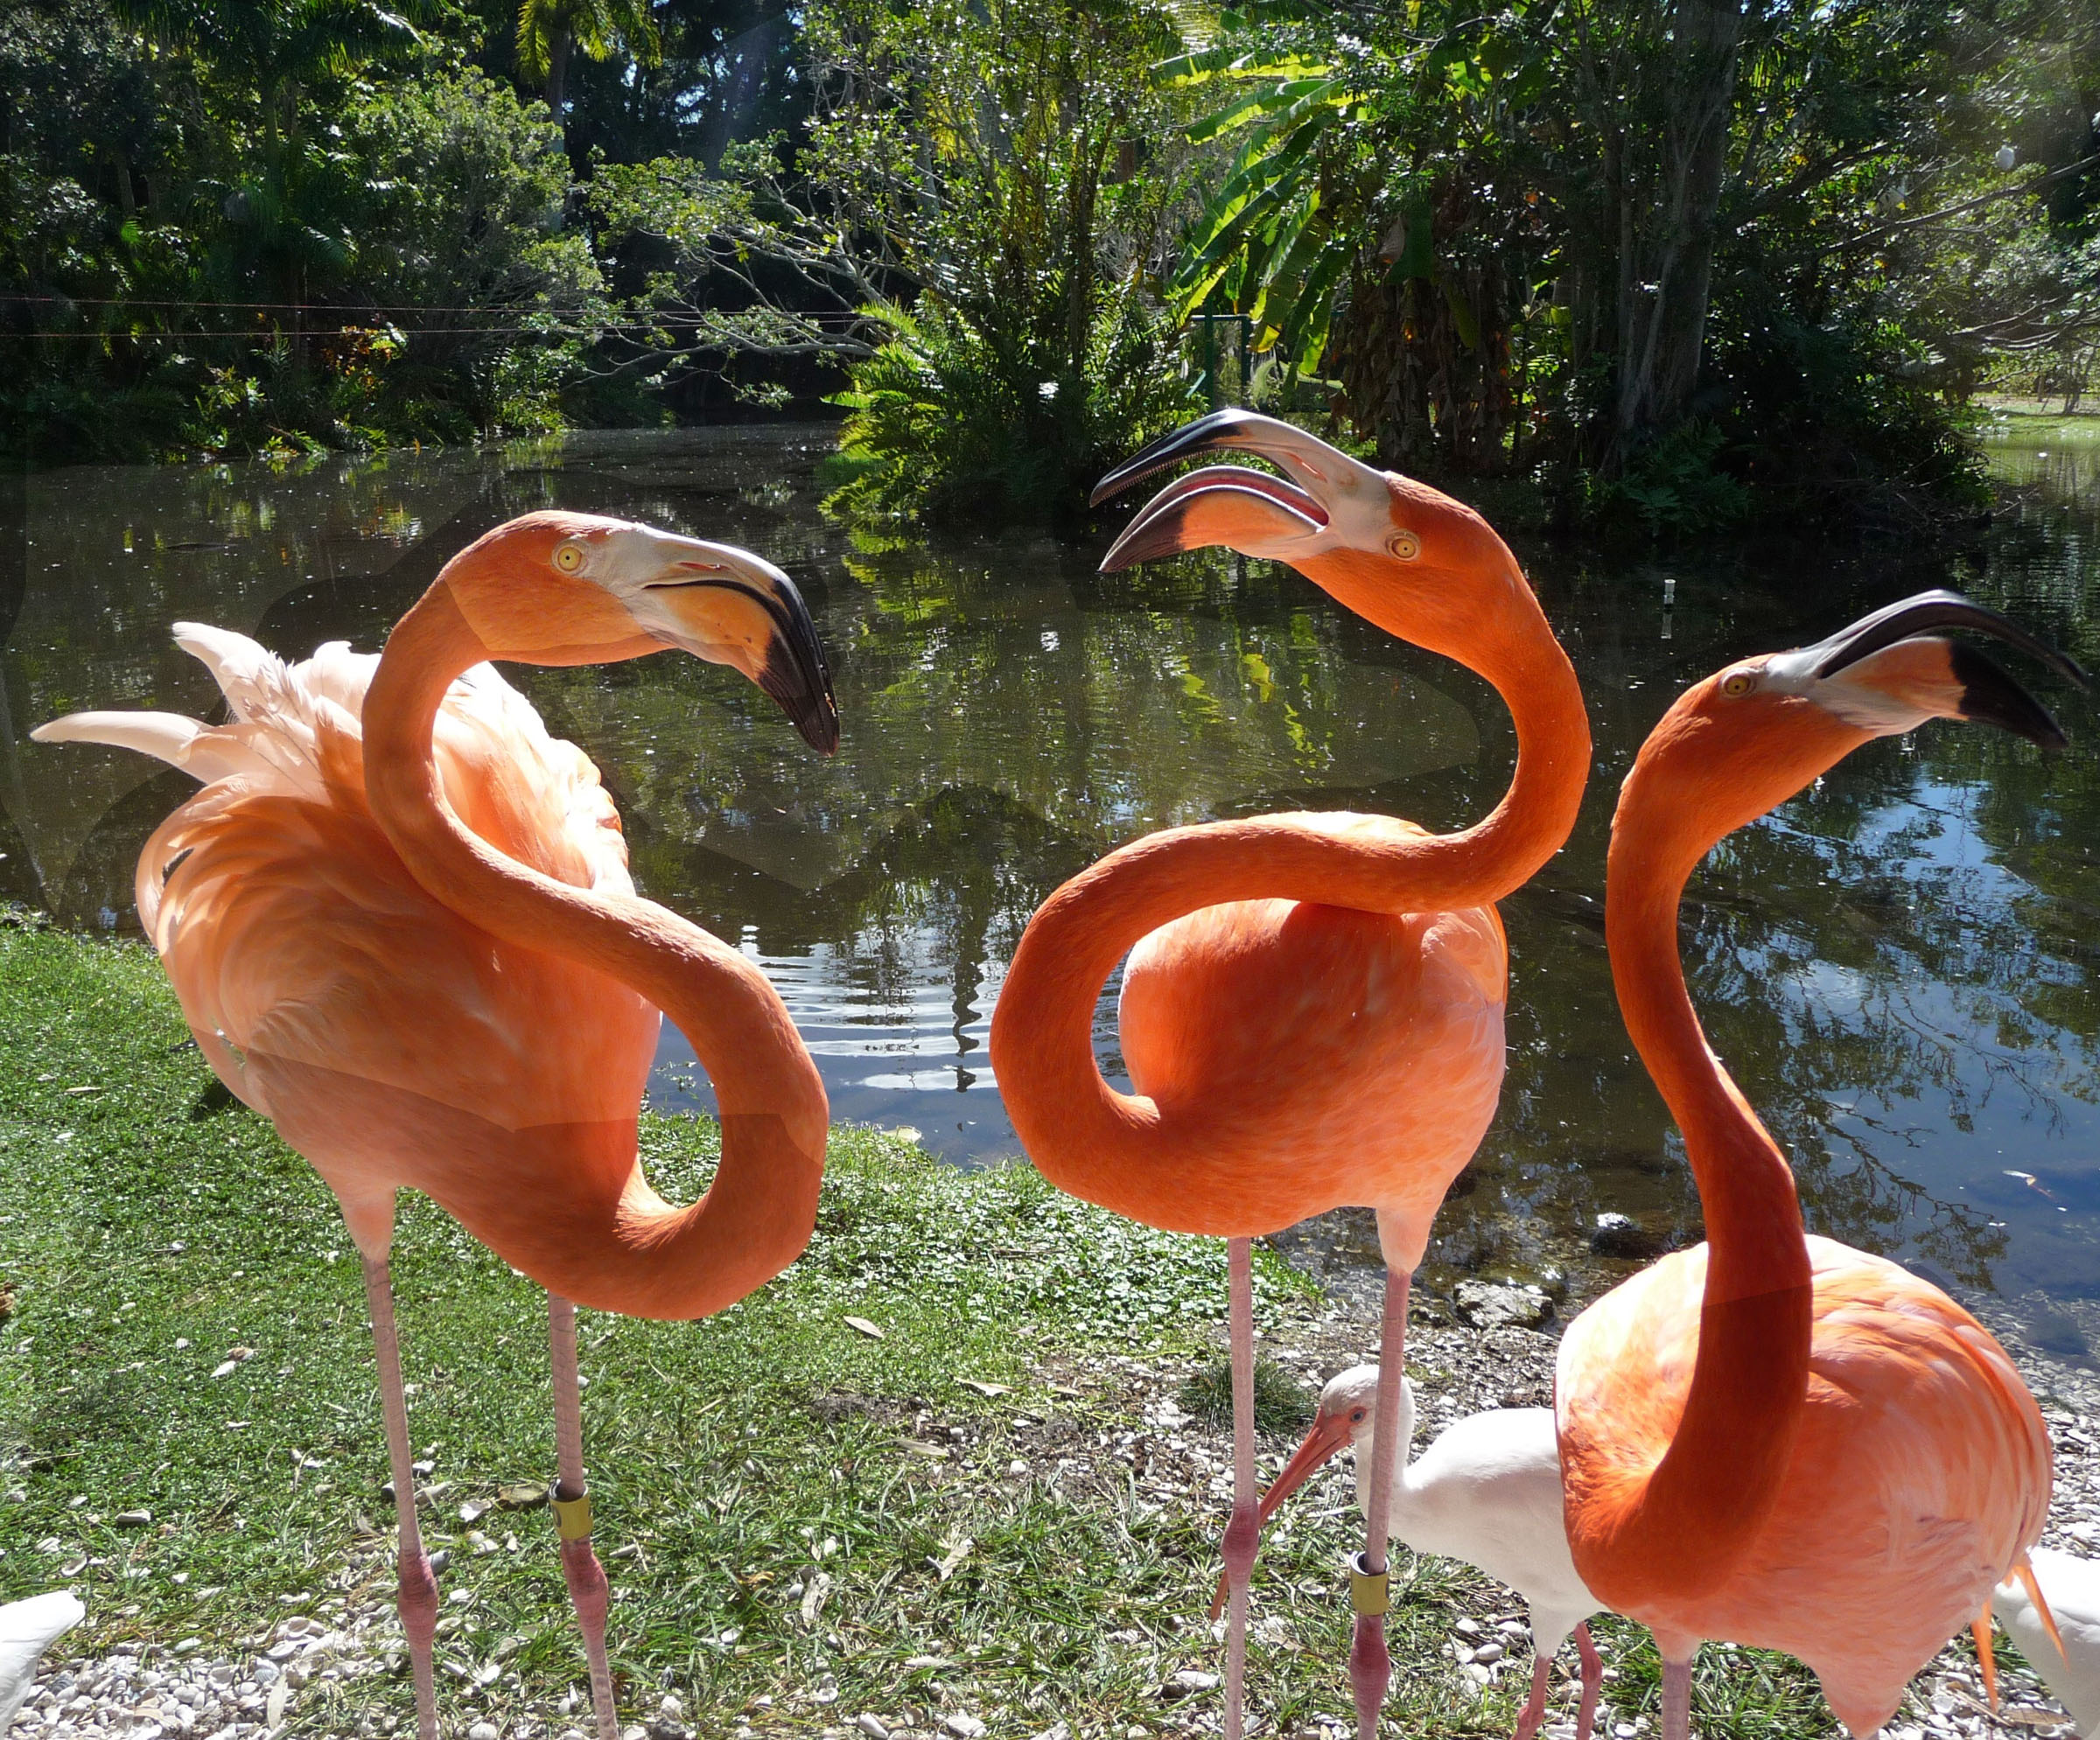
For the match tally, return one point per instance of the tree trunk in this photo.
(557, 78)
(1665, 322)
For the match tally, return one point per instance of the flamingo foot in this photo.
(1593, 1681)
(1534, 1712)
(1370, 1673)
(1676, 1699)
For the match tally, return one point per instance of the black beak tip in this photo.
(1989, 697)
(1219, 429)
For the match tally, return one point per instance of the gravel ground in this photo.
(145, 1692)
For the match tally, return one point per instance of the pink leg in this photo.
(1533, 1711)
(1592, 1679)
(586, 1577)
(418, 1594)
(1243, 1532)
(1370, 1666)
(1676, 1699)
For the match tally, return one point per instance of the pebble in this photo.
(1490, 1304)
(1621, 1235)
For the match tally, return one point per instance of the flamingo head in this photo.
(1426, 567)
(1758, 730)
(575, 589)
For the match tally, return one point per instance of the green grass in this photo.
(1281, 1403)
(731, 1460)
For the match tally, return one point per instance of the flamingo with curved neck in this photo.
(1312, 1012)
(399, 921)
(1771, 1438)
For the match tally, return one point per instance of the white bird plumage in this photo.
(2071, 1586)
(27, 1629)
(1487, 1492)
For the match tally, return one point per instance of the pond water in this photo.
(1899, 967)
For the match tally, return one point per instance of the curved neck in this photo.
(1682, 1527)
(634, 1254)
(1072, 1123)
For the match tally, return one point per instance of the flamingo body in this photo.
(2071, 1586)
(1359, 1054)
(399, 922)
(393, 1042)
(1920, 1469)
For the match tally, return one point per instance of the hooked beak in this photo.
(1326, 1437)
(1252, 512)
(1249, 511)
(1306, 458)
(1884, 661)
(731, 607)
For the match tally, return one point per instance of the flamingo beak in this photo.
(731, 607)
(1306, 458)
(1255, 512)
(1328, 1437)
(1883, 674)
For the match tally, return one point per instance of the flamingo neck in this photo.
(1117, 1149)
(1676, 1529)
(620, 1247)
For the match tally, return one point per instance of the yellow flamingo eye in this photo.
(569, 558)
(1405, 545)
(1741, 683)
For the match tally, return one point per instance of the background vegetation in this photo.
(1677, 264)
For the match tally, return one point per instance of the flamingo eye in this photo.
(1405, 545)
(569, 558)
(1741, 683)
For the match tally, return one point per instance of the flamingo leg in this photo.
(417, 1598)
(588, 1591)
(1534, 1712)
(1592, 1679)
(1676, 1699)
(1370, 1666)
(1243, 1532)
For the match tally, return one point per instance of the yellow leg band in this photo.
(1368, 1589)
(572, 1516)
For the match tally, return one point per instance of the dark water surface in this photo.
(1900, 966)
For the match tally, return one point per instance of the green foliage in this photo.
(461, 195)
(973, 224)
(950, 422)
(273, 226)
(1701, 264)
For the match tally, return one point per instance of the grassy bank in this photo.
(995, 1509)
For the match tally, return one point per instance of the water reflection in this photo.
(1898, 967)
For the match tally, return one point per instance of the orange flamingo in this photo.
(1771, 1439)
(1313, 1007)
(399, 921)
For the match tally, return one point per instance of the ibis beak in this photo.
(1322, 1443)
